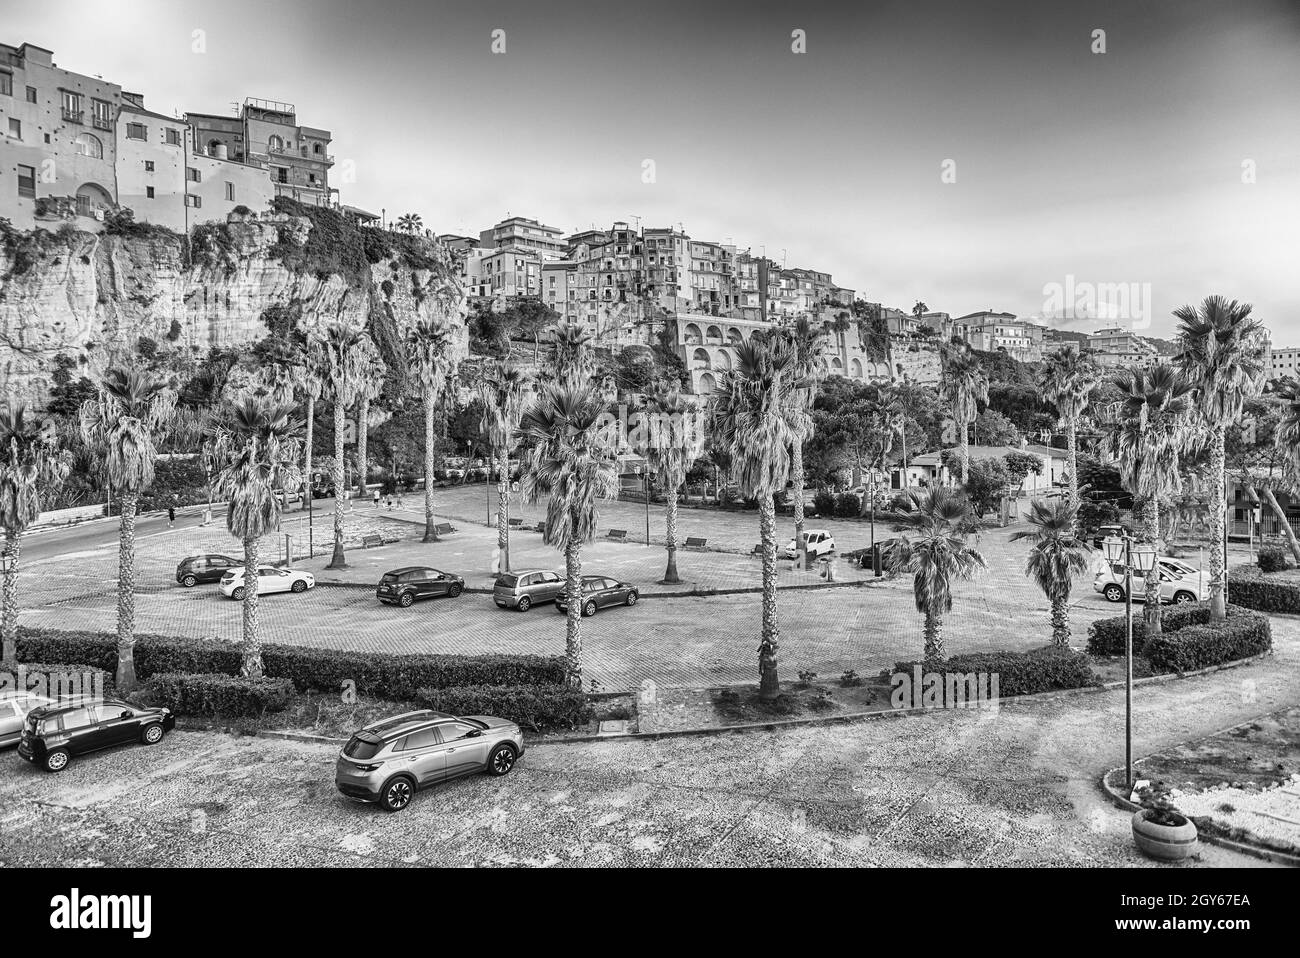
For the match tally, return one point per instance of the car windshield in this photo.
(389, 577)
(362, 747)
(507, 581)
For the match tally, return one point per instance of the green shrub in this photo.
(1019, 673)
(218, 695)
(1272, 559)
(1202, 646)
(536, 707)
(1106, 636)
(847, 505)
(1253, 588)
(824, 503)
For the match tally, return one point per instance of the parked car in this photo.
(523, 590)
(205, 569)
(1104, 532)
(819, 542)
(404, 586)
(53, 734)
(269, 579)
(14, 706)
(1174, 586)
(390, 760)
(598, 592)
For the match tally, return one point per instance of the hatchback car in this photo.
(599, 592)
(53, 734)
(818, 542)
(205, 568)
(14, 706)
(1175, 586)
(269, 579)
(404, 586)
(523, 590)
(390, 760)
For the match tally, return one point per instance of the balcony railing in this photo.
(74, 116)
(103, 123)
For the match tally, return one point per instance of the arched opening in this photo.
(837, 367)
(317, 149)
(707, 384)
(693, 334)
(92, 197)
(212, 147)
(87, 144)
(275, 144)
(724, 359)
(733, 336)
(855, 369)
(701, 359)
(713, 336)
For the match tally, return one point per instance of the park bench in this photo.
(443, 529)
(618, 535)
(757, 550)
(516, 523)
(371, 540)
(694, 542)
(541, 527)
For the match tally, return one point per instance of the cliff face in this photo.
(81, 294)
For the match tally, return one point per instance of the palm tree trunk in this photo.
(306, 473)
(1218, 533)
(363, 428)
(769, 685)
(670, 523)
(1151, 611)
(796, 474)
(503, 502)
(965, 454)
(251, 650)
(338, 560)
(902, 433)
(573, 635)
(1282, 522)
(1061, 623)
(933, 637)
(9, 656)
(126, 592)
(430, 441)
(1072, 439)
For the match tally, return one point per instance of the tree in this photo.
(371, 389)
(671, 442)
(986, 484)
(964, 386)
(1067, 379)
(751, 413)
(992, 428)
(255, 441)
(29, 466)
(935, 524)
(1286, 445)
(1056, 558)
(410, 223)
(346, 358)
(504, 392)
(1148, 436)
(810, 365)
(572, 350)
(432, 365)
(1020, 465)
(571, 460)
(1223, 359)
(120, 425)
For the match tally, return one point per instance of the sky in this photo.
(963, 153)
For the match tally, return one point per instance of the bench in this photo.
(443, 529)
(618, 535)
(516, 523)
(694, 542)
(371, 540)
(757, 550)
(541, 527)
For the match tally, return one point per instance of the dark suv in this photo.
(206, 568)
(404, 586)
(53, 734)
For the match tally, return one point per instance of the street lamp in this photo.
(1143, 558)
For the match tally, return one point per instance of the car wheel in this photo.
(237, 593)
(405, 600)
(397, 794)
(1113, 592)
(589, 608)
(152, 734)
(525, 603)
(189, 582)
(299, 586)
(632, 597)
(502, 760)
(455, 590)
(57, 760)
(1182, 598)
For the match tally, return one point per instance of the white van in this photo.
(818, 543)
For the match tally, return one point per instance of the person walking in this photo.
(376, 498)
(171, 516)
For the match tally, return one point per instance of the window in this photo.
(230, 192)
(148, 192)
(77, 718)
(195, 202)
(27, 181)
(6, 84)
(137, 131)
(422, 739)
(451, 731)
(31, 94)
(107, 713)
(87, 144)
(173, 137)
(148, 166)
(71, 106)
(15, 128)
(193, 175)
(102, 113)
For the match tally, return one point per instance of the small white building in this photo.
(927, 469)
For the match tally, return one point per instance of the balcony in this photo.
(74, 116)
(103, 123)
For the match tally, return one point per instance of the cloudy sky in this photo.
(1069, 167)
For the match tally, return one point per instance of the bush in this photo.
(312, 670)
(218, 695)
(1187, 637)
(1250, 587)
(1106, 636)
(847, 505)
(536, 707)
(1019, 673)
(824, 503)
(1272, 559)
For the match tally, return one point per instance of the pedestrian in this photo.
(171, 516)
(390, 503)
(376, 498)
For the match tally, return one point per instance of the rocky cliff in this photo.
(84, 294)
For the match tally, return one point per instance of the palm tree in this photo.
(1056, 558)
(751, 412)
(371, 390)
(964, 387)
(432, 364)
(572, 344)
(810, 364)
(894, 408)
(1286, 440)
(308, 362)
(936, 554)
(410, 223)
(671, 443)
(28, 466)
(504, 391)
(120, 424)
(1067, 380)
(256, 442)
(346, 355)
(571, 460)
(1223, 359)
(1145, 440)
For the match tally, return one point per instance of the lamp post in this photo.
(1141, 556)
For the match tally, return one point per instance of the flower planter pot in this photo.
(1167, 843)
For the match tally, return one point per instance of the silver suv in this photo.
(523, 590)
(390, 760)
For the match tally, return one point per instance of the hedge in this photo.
(536, 707)
(1019, 673)
(312, 670)
(1106, 636)
(1188, 641)
(1253, 588)
(218, 696)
